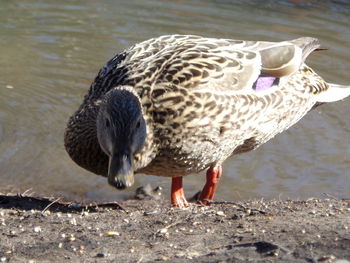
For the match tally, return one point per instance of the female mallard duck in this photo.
(180, 104)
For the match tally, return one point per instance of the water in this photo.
(51, 52)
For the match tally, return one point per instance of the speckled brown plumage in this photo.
(199, 100)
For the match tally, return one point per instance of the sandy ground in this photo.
(49, 230)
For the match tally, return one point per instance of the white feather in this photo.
(334, 93)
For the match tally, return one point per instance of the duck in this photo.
(177, 105)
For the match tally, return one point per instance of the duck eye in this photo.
(107, 123)
(138, 124)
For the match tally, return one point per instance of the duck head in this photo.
(121, 133)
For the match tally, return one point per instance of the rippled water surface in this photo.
(51, 52)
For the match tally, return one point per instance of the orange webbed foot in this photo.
(178, 198)
(213, 177)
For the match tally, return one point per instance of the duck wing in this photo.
(222, 65)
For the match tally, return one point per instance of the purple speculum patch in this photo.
(264, 83)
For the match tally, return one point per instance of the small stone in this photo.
(60, 245)
(220, 213)
(146, 213)
(85, 213)
(73, 221)
(303, 231)
(3, 259)
(162, 232)
(193, 254)
(179, 255)
(9, 87)
(37, 229)
(47, 213)
(101, 255)
(112, 233)
(326, 258)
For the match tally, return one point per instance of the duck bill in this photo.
(120, 171)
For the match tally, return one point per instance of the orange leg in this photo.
(177, 193)
(213, 177)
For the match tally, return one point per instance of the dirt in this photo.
(35, 229)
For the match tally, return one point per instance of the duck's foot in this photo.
(178, 198)
(213, 177)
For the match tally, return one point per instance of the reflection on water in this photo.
(50, 53)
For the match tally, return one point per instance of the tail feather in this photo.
(335, 92)
(307, 45)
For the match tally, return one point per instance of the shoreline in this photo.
(36, 229)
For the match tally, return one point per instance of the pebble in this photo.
(47, 213)
(102, 255)
(73, 221)
(193, 254)
(179, 255)
(220, 213)
(3, 259)
(313, 212)
(9, 87)
(112, 233)
(37, 229)
(146, 213)
(162, 232)
(85, 213)
(326, 258)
